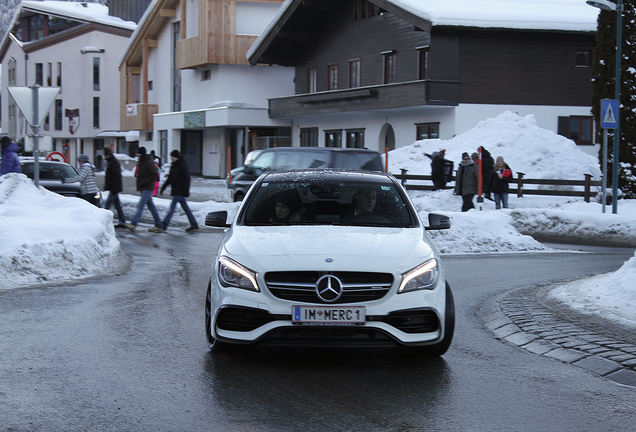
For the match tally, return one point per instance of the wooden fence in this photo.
(517, 185)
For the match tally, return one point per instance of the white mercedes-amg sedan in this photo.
(329, 258)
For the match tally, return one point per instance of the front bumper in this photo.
(415, 318)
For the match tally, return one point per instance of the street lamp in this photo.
(618, 7)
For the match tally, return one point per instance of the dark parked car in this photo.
(288, 158)
(51, 175)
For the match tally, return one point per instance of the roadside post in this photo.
(609, 120)
(34, 102)
(480, 198)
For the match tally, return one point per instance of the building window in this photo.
(149, 136)
(390, 63)
(57, 25)
(427, 131)
(333, 138)
(355, 138)
(39, 73)
(59, 74)
(47, 122)
(577, 128)
(422, 62)
(309, 137)
(11, 72)
(95, 73)
(149, 85)
(176, 72)
(36, 27)
(311, 79)
(581, 129)
(58, 115)
(362, 10)
(354, 73)
(96, 113)
(332, 76)
(163, 143)
(583, 58)
(49, 74)
(206, 75)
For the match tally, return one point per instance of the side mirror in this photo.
(217, 219)
(438, 221)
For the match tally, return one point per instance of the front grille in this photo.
(319, 336)
(301, 286)
(71, 195)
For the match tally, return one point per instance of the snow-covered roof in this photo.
(549, 15)
(86, 12)
(566, 15)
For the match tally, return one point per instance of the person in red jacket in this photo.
(500, 181)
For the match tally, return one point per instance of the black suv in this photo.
(286, 158)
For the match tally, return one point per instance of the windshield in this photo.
(49, 171)
(328, 203)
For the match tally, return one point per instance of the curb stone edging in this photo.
(518, 318)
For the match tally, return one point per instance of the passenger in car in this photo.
(287, 204)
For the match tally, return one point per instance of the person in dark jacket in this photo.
(487, 174)
(466, 183)
(179, 181)
(113, 184)
(501, 180)
(10, 160)
(147, 175)
(438, 163)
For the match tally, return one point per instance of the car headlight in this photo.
(232, 274)
(422, 277)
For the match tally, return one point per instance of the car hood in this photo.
(328, 248)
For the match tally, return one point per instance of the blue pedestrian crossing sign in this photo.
(609, 113)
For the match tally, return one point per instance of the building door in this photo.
(387, 138)
(191, 147)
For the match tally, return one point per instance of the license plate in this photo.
(329, 315)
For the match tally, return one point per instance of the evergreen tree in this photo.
(604, 77)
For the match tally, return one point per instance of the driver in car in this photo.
(365, 199)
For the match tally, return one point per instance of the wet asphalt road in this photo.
(127, 353)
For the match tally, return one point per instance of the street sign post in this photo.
(34, 102)
(609, 120)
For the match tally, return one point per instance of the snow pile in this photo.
(580, 220)
(48, 237)
(538, 153)
(611, 296)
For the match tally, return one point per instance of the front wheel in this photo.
(213, 344)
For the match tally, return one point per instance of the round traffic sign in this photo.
(56, 156)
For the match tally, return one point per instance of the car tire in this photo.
(442, 346)
(213, 344)
(238, 196)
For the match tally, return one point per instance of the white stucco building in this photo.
(186, 83)
(74, 47)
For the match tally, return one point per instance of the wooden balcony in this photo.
(413, 93)
(137, 117)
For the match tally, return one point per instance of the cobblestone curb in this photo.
(519, 318)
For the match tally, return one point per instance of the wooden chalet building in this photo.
(383, 73)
